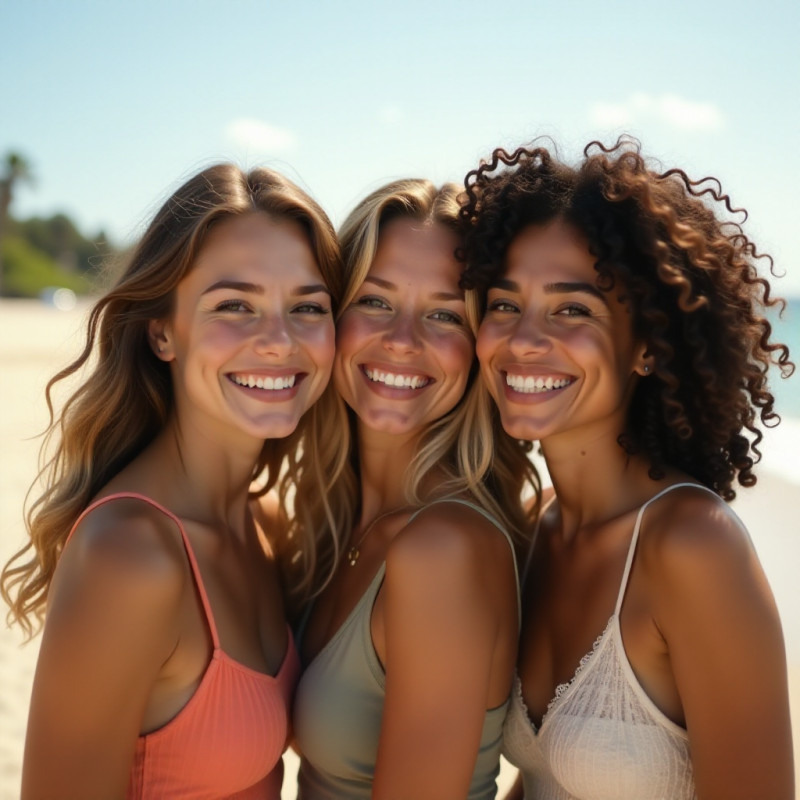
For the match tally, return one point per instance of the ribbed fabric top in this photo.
(339, 708)
(227, 741)
(602, 737)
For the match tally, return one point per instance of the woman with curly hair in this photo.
(166, 666)
(624, 331)
(409, 650)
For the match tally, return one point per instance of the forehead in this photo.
(418, 253)
(549, 251)
(255, 242)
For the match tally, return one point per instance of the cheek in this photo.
(487, 342)
(457, 352)
(351, 333)
(320, 341)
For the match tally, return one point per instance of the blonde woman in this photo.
(166, 665)
(409, 649)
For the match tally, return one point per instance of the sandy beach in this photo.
(36, 340)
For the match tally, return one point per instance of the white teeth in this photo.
(392, 379)
(530, 385)
(265, 382)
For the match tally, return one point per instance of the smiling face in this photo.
(557, 353)
(251, 338)
(404, 349)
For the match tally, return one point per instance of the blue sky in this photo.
(116, 103)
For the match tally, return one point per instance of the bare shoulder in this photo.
(126, 549)
(691, 526)
(449, 538)
(693, 545)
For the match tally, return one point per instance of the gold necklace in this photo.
(355, 550)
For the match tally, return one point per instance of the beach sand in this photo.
(37, 340)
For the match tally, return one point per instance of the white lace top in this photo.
(602, 737)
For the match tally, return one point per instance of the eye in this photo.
(502, 306)
(311, 308)
(371, 301)
(233, 306)
(443, 315)
(574, 310)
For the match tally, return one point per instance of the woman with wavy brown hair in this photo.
(624, 330)
(409, 650)
(166, 666)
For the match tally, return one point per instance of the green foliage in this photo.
(58, 238)
(27, 270)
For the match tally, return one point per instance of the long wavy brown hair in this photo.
(675, 249)
(468, 446)
(126, 398)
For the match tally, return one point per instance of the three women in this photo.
(623, 330)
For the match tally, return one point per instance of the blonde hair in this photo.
(468, 445)
(127, 397)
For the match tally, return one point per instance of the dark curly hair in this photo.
(677, 254)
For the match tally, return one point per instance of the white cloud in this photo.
(253, 134)
(668, 109)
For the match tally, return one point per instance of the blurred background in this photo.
(106, 107)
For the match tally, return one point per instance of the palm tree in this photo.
(15, 169)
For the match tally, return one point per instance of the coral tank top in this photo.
(227, 741)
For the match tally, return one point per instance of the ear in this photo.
(644, 362)
(159, 336)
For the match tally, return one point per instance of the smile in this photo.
(396, 380)
(264, 382)
(527, 384)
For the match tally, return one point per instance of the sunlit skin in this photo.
(406, 325)
(556, 352)
(699, 625)
(253, 310)
(127, 642)
(444, 621)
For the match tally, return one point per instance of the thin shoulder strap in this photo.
(532, 544)
(635, 538)
(497, 524)
(198, 578)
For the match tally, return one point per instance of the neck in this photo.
(197, 476)
(384, 461)
(594, 479)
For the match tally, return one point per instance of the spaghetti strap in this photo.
(198, 579)
(634, 539)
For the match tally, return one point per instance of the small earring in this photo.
(646, 368)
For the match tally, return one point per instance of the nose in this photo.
(273, 337)
(529, 336)
(402, 335)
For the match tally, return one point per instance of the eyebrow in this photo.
(384, 284)
(255, 288)
(560, 287)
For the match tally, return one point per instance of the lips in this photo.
(266, 382)
(396, 380)
(536, 384)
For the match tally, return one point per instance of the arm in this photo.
(111, 624)
(448, 606)
(718, 617)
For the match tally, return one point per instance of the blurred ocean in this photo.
(781, 445)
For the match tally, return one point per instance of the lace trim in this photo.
(563, 688)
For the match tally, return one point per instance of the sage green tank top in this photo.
(339, 705)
